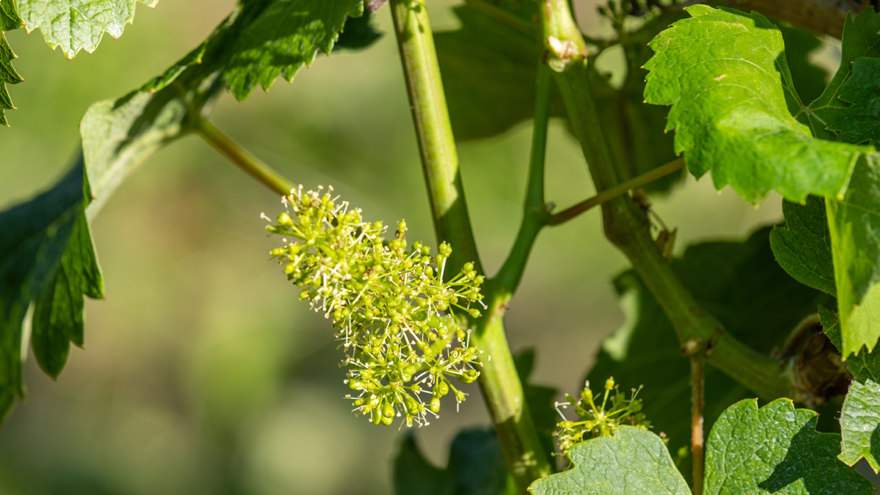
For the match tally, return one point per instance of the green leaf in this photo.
(632, 462)
(776, 449)
(859, 39)
(860, 415)
(860, 423)
(9, 18)
(741, 284)
(46, 258)
(8, 75)
(735, 110)
(809, 79)
(489, 71)
(857, 123)
(76, 25)
(476, 467)
(359, 33)
(629, 120)
(803, 246)
(853, 223)
(283, 37)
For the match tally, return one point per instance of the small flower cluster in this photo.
(597, 421)
(391, 309)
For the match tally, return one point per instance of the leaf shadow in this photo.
(812, 458)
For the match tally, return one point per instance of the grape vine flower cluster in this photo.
(391, 309)
(597, 421)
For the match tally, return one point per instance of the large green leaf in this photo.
(46, 259)
(286, 35)
(855, 219)
(803, 246)
(632, 462)
(740, 284)
(476, 467)
(854, 223)
(735, 110)
(776, 449)
(75, 25)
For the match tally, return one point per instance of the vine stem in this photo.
(697, 387)
(251, 165)
(627, 226)
(499, 381)
(615, 191)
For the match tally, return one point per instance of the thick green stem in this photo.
(627, 226)
(535, 214)
(613, 192)
(499, 381)
(244, 160)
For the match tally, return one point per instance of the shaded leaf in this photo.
(283, 37)
(858, 122)
(809, 79)
(755, 300)
(632, 462)
(859, 39)
(860, 415)
(489, 71)
(46, 258)
(476, 467)
(359, 32)
(75, 25)
(8, 75)
(803, 246)
(735, 110)
(776, 449)
(854, 223)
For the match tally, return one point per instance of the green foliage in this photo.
(489, 71)
(46, 259)
(748, 293)
(860, 415)
(775, 449)
(8, 75)
(853, 223)
(392, 309)
(476, 467)
(772, 449)
(803, 246)
(858, 40)
(860, 423)
(78, 24)
(285, 36)
(857, 123)
(632, 462)
(735, 109)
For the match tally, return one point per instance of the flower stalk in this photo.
(499, 381)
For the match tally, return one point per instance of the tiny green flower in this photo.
(392, 310)
(601, 420)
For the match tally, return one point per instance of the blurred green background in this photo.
(202, 373)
